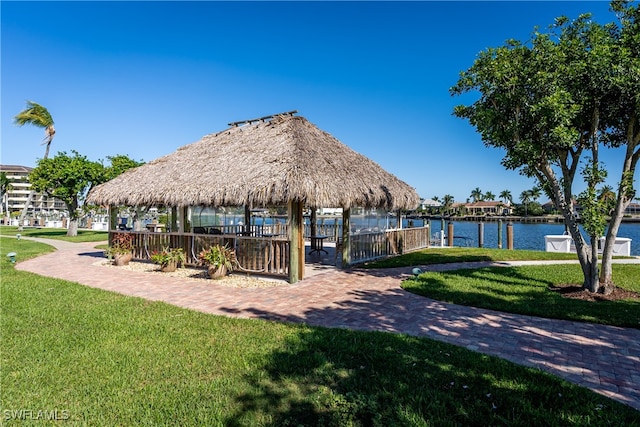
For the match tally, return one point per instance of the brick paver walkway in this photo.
(603, 358)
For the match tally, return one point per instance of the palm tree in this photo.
(607, 197)
(489, 196)
(476, 194)
(535, 193)
(525, 198)
(35, 115)
(447, 201)
(506, 196)
(5, 187)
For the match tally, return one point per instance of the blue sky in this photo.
(144, 78)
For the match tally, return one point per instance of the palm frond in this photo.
(36, 115)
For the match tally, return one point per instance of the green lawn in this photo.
(99, 358)
(56, 233)
(451, 255)
(526, 290)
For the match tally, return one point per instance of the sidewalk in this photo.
(603, 358)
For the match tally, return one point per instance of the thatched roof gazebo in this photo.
(276, 160)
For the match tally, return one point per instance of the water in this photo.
(525, 236)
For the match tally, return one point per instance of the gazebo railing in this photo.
(270, 255)
(259, 255)
(369, 246)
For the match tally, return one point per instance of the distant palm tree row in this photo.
(477, 195)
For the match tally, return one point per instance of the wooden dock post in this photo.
(450, 234)
(510, 235)
(481, 234)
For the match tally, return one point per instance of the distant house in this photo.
(488, 208)
(425, 204)
(633, 209)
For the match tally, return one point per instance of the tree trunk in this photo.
(588, 262)
(591, 280)
(606, 272)
(23, 214)
(72, 207)
(560, 195)
(625, 196)
(73, 227)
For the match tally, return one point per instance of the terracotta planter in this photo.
(122, 259)
(169, 267)
(217, 272)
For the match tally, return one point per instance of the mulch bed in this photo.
(577, 292)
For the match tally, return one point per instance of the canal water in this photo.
(525, 235)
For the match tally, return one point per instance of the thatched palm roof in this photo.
(269, 162)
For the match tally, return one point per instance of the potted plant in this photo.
(169, 258)
(219, 260)
(121, 249)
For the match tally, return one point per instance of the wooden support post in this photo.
(296, 242)
(346, 244)
(450, 234)
(247, 219)
(113, 219)
(510, 236)
(174, 218)
(314, 222)
(481, 234)
(184, 226)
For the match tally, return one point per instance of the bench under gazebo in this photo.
(279, 160)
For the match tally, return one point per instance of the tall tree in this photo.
(489, 196)
(525, 199)
(119, 164)
(550, 102)
(447, 202)
(476, 194)
(506, 196)
(535, 193)
(67, 178)
(35, 115)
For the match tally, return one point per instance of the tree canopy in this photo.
(70, 177)
(551, 104)
(37, 115)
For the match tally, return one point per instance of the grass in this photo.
(56, 233)
(99, 358)
(526, 290)
(451, 255)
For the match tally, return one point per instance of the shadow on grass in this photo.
(516, 290)
(362, 379)
(337, 377)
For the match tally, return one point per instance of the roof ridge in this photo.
(264, 119)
